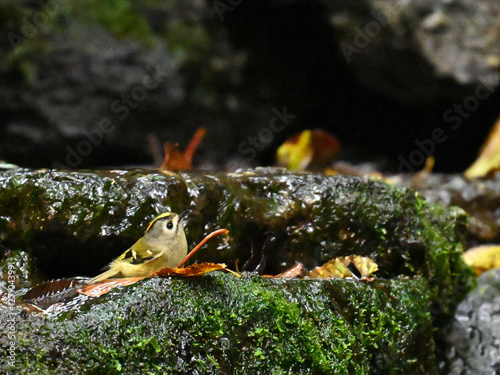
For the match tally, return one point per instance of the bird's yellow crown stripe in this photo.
(166, 214)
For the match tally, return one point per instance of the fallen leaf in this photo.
(175, 160)
(195, 269)
(309, 149)
(483, 258)
(297, 270)
(488, 161)
(339, 268)
(6, 302)
(334, 268)
(103, 287)
(49, 292)
(364, 265)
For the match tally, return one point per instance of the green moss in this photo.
(450, 278)
(219, 323)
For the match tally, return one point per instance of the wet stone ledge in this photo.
(72, 223)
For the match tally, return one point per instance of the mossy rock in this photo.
(74, 223)
(219, 323)
(69, 222)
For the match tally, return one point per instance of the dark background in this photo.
(229, 66)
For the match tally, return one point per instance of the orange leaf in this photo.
(195, 269)
(203, 241)
(176, 160)
(103, 287)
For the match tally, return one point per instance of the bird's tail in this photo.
(103, 276)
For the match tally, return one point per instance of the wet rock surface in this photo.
(475, 332)
(72, 223)
(75, 222)
(480, 198)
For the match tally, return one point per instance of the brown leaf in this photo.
(483, 258)
(488, 161)
(419, 178)
(49, 292)
(6, 302)
(296, 271)
(346, 168)
(175, 160)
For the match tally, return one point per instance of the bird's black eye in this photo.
(170, 225)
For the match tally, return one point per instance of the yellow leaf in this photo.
(483, 258)
(488, 161)
(296, 153)
(364, 265)
(309, 149)
(338, 268)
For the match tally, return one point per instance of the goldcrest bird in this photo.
(163, 245)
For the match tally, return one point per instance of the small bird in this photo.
(163, 245)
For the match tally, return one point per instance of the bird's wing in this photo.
(138, 253)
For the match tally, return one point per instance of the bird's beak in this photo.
(182, 215)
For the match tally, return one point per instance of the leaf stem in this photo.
(191, 253)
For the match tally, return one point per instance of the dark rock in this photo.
(480, 198)
(92, 87)
(419, 51)
(475, 332)
(231, 74)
